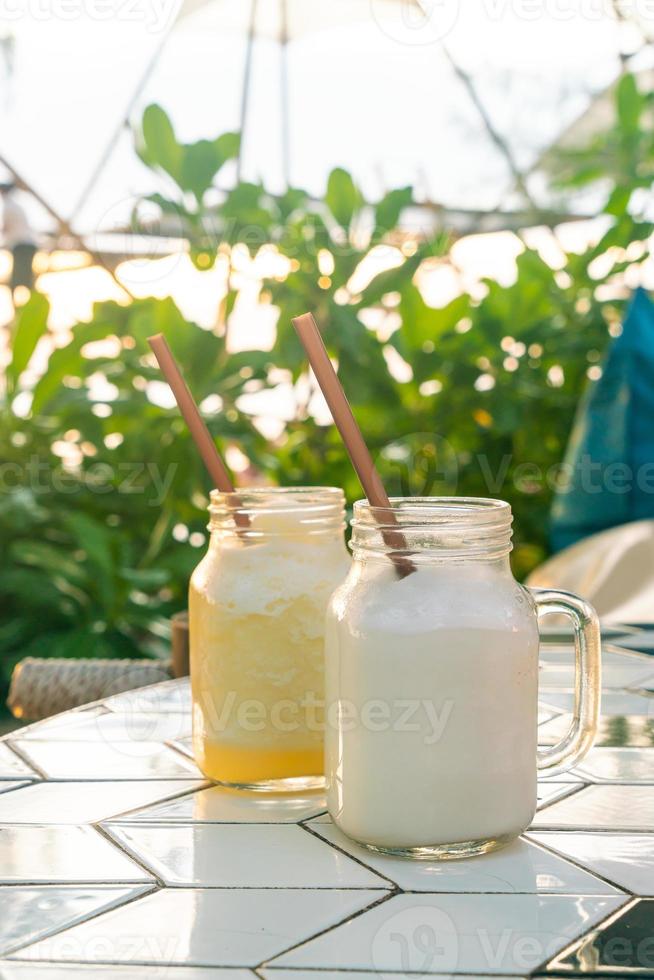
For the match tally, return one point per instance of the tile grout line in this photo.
(577, 863)
(561, 828)
(22, 784)
(257, 971)
(322, 932)
(416, 973)
(142, 780)
(543, 893)
(74, 883)
(117, 817)
(79, 709)
(171, 744)
(134, 855)
(190, 886)
(314, 816)
(352, 857)
(57, 883)
(135, 859)
(577, 788)
(565, 794)
(191, 822)
(26, 759)
(146, 889)
(615, 914)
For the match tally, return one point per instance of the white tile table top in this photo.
(279, 973)
(13, 970)
(547, 713)
(618, 765)
(242, 856)
(204, 926)
(63, 854)
(97, 725)
(625, 859)
(551, 790)
(450, 933)
(613, 675)
(613, 702)
(12, 766)
(519, 868)
(28, 913)
(86, 801)
(119, 862)
(170, 696)
(183, 745)
(217, 804)
(612, 653)
(6, 785)
(624, 807)
(630, 726)
(124, 759)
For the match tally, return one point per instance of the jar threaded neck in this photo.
(259, 512)
(434, 529)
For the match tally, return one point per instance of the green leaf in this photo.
(20, 512)
(421, 323)
(342, 198)
(31, 324)
(390, 207)
(394, 280)
(93, 538)
(161, 148)
(200, 164)
(66, 361)
(146, 578)
(48, 558)
(166, 205)
(629, 103)
(292, 199)
(618, 201)
(227, 147)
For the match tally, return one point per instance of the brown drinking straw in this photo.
(196, 424)
(309, 334)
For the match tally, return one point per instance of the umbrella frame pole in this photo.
(285, 133)
(247, 79)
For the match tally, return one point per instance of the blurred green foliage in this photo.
(475, 398)
(90, 566)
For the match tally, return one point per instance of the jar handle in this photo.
(588, 677)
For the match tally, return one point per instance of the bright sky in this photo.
(371, 88)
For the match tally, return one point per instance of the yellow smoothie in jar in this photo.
(257, 605)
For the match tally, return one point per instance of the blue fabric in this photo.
(609, 463)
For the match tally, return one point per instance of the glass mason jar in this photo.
(432, 681)
(257, 604)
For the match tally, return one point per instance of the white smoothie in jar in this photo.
(435, 677)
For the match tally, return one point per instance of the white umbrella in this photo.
(364, 83)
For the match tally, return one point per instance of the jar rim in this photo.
(258, 495)
(314, 509)
(469, 511)
(433, 528)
